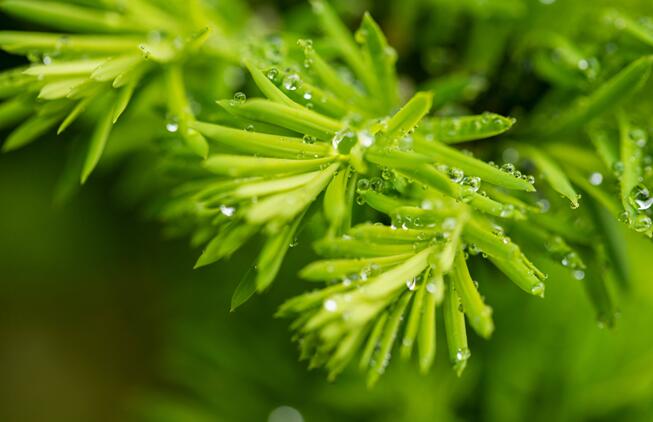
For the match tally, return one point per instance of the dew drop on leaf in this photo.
(508, 168)
(239, 98)
(291, 82)
(596, 178)
(330, 305)
(642, 223)
(227, 210)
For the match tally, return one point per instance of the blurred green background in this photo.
(103, 319)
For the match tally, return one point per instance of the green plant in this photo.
(329, 144)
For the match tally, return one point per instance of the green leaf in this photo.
(267, 187)
(69, 17)
(338, 32)
(29, 130)
(124, 97)
(311, 96)
(478, 313)
(65, 68)
(14, 82)
(284, 206)
(553, 174)
(452, 130)
(272, 254)
(25, 42)
(115, 66)
(630, 26)
(79, 108)
(373, 341)
(414, 322)
(381, 58)
(243, 165)
(13, 111)
(632, 154)
(60, 89)
(230, 238)
(506, 255)
(96, 145)
(268, 88)
(245, 289)
(341, 88)
(355, 248)
(408, 165)
(387, 340)
(426, 344)
(456, 87)
(610, 94)
(471, 166)
(333, 269)
(454, 327)
(408, 116)
(261, 143)
(300, 120)
(337, 203)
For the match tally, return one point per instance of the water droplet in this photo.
(307, 95)
(449, 224)
(473, 249)
(411, 283)
(47, 59)
(249, 128)
(285, 414)
(239, 98)
(291, 82)
(640, 198)
(596, 178)
(343, 141)
(624, 217)
(227, 211)
(387, 174)
(455, 174)
(365, 138)
(172, 126)
(360, 36)
(579, 274)
(508, 168)
(538, 289)
(570, 260)
(308, 139)
(530, 179)
(618, 168)
(306, 44)
(642, 223)
(376, 184)
(544, 205)
(507, 211)
(363, 185)
(330, 305)
(510, 155)
(472, 183)
(272, 74)
(390, 53)
(146, 52)
(638, 136)
(462, 354)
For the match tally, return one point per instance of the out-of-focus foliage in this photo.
(371, 164)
